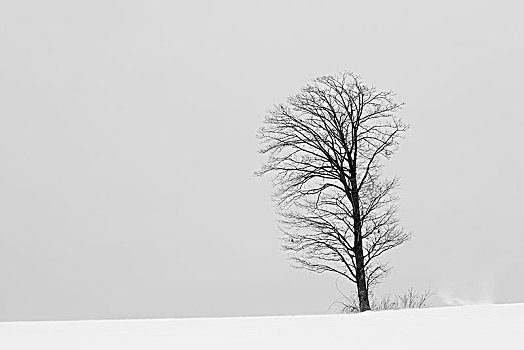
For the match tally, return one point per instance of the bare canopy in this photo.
(326, 146)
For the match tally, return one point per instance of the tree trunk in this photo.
(363, 297)
(362, 289)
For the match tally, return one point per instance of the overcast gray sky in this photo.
(127, 150)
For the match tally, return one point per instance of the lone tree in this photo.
(325, 150)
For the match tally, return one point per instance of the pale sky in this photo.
(127, 151)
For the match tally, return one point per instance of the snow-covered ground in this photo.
(461, 327)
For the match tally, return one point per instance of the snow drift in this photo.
(464, 327)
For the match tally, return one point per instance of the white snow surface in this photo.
(460, 327)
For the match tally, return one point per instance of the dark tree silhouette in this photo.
(325, 149)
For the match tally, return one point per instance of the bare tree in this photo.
(326, 146)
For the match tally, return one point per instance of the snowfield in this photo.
(460, 327)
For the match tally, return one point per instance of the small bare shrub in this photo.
(411, 299)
